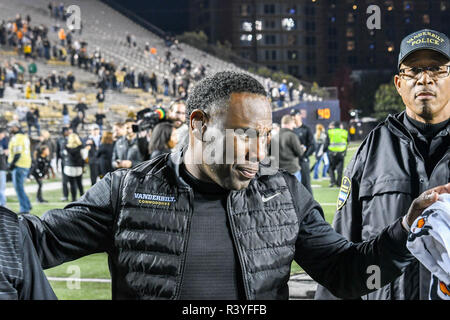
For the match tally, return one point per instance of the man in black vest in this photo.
(216, 221)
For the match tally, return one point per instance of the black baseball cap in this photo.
(424, 39)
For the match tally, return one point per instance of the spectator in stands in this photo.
(32, 68)
(162, 140)
(37, 86)
(60, 147)
(50, 8)
(19, 163)
(65, 114)
(3, 165)
(126, 152)
(99, 117)
(94, 142)
(70, 81)
(46, 45)
(74, 164)
(62, 36)
(81, 107)
(128, 37)
(61, 81)
(166, 86)
(100, 99)
(40, 168)
(104, 154)
(53, 79)
(120, 78)
(28, 90)
(76, 122)
(32, 117)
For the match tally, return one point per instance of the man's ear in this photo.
(397, 83)
(197, 123)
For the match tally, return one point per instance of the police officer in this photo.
(336, 144)
(401, 157)
(306, 137)
(156, 220)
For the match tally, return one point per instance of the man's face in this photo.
(298, 120)
(95, 132)
(13, 130)
(245, 111)
(129, 130)
(177, 114)
(426, 98)
(118, 131)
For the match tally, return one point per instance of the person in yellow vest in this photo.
(19, 163)
(336, 144)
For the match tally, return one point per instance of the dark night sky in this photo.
(169, 15)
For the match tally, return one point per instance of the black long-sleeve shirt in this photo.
(21, 275)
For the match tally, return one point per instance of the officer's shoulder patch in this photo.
(344, 192)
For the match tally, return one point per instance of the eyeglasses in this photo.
(436, 72)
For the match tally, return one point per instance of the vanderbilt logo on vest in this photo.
(153, 199)
(344, 192)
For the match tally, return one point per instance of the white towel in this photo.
(429, 242)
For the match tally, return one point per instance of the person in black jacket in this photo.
(94, 142)
(306, 137)
(290, 148)
(74, 163)
(104, 154)
(226, 227)
(403, 156)
(21, 275)
(163, 139)
(40, 168)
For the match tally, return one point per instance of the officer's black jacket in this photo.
(21, 275)
(141, 217)
(386, 173)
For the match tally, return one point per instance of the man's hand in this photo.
(423, 201)
(124, 164)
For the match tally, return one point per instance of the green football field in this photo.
(93, 270)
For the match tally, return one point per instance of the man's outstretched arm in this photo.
(83, 227)
(350, 270)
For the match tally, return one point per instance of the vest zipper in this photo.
(238, 248)
(188, 231)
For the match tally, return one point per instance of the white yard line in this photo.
(79, 279)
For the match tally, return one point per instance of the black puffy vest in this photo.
(153, 215)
